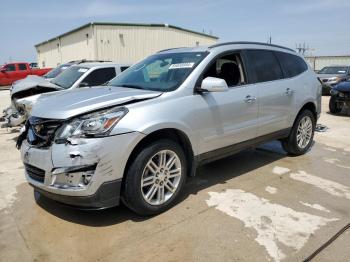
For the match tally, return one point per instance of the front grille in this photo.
(324, 80)
(35, 173)
(41, 131)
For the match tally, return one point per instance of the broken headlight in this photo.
(96, 124)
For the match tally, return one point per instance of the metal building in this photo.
(319, 62)
(118, 42)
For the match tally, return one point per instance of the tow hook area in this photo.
(77, 177)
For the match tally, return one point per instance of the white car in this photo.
(25, 94)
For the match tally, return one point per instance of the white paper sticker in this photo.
(181, 65)
(82, 70)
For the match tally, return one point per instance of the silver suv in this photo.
(139, 137)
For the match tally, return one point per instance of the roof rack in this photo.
(251, 43)
(88, 61)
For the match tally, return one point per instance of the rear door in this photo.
(22, 71)
(275, 95)
(228, 117)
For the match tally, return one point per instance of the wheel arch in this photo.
(173, 134)
(309, 105)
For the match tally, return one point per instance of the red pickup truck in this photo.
(12, 72)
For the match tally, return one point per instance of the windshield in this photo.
(56, 71)
(160, 72)
(68, 77)
(333, 70)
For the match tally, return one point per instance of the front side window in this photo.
(264, 65)
(292, 65)
(160, 72)
(68, 77)
(22, 67)
(333, 70)
(100, 76)
(228, 67)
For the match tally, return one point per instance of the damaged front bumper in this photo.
(85, 173)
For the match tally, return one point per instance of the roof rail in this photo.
(88, 61)
(251, 43)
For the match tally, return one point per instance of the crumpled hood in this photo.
(66, 104)
(29, 82)
(342, 87)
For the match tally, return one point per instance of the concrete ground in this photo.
(258, 205)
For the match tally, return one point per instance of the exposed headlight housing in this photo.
(334, 79)
(97, 124)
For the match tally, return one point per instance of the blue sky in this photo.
(323, 24)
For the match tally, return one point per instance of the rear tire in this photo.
(334, 106)
(301, 136)
(155, 178)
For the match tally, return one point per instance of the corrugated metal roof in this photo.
(125, 24)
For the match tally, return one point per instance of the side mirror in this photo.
(3, 70)
(213, 84)
(83, 84)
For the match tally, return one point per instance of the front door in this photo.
(227, 118)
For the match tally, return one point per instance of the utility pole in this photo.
(303, 49)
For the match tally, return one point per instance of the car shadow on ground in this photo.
(218, 172)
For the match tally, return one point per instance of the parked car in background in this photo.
(340, 96)
(332, 75)
(23, 97)
(137, 138)
(12, 72)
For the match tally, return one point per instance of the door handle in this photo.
(289, 91)
(249, 99)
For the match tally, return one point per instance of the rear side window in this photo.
(292, 65)
(100, 76)
(264, 65)
(22, 67)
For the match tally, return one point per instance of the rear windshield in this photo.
(333, 70)
(159, 72)
(56, 71)
(68, 77)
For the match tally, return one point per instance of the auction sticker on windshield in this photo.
(181, 65)
(82, 70)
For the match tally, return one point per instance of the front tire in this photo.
(155, 178)
(334, 106)
(301, 136)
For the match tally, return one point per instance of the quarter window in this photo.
(123, 68)
(264, 65)
(22, 67)
(292, 65)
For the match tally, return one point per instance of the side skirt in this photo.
(233, 149)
